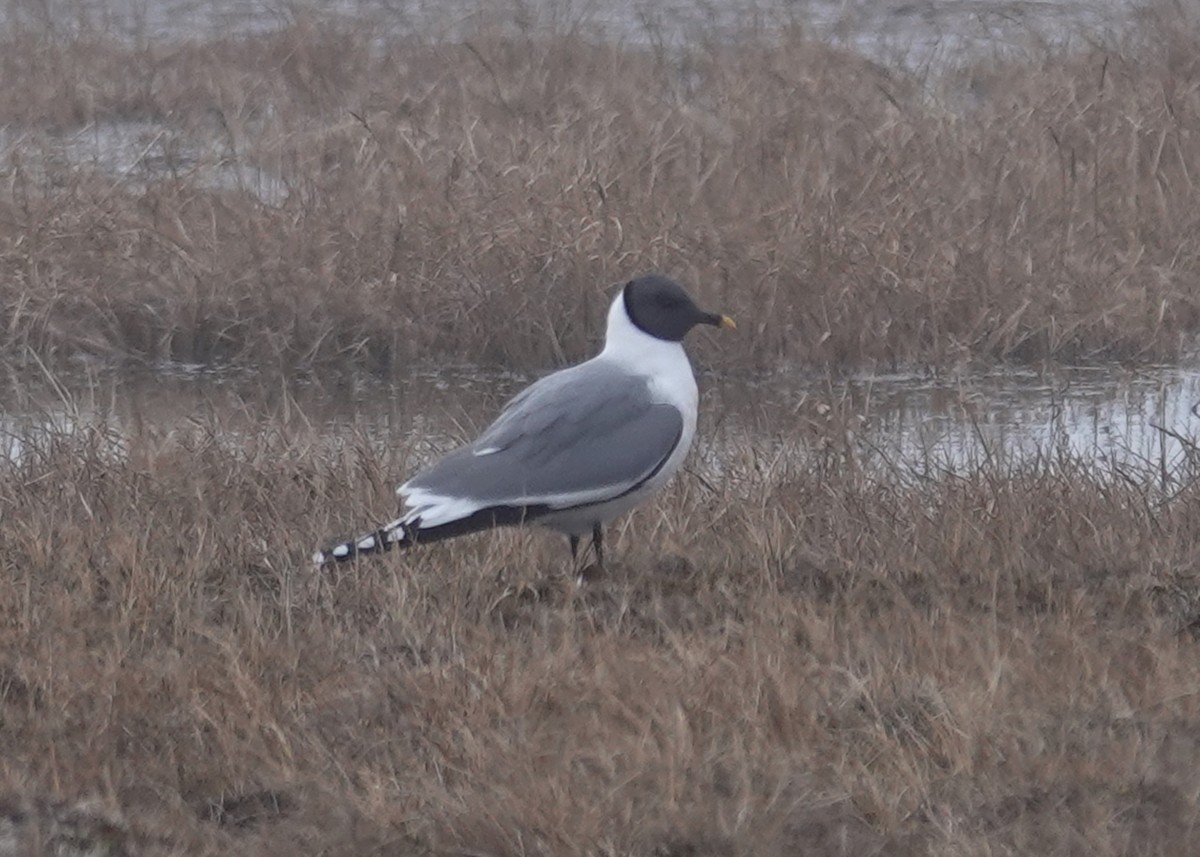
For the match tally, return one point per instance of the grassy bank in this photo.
(800, 660)
(474, 196)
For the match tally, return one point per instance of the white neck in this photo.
(663, 364)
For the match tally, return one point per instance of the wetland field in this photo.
(929, 583)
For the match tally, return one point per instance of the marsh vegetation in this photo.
(323, 194)
(807, 645)
(786, 656)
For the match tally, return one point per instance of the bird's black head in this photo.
(659, 306)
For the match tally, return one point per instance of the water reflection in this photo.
(918, 33)
(1106, 417)
(137, 154)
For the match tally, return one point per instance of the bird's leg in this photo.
(598, 545)
(574, 540)
(595, 569)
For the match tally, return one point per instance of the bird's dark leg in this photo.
(574, 540)
(598, 544)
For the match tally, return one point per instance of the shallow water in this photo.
(136, 153)
(877, 27)
(1106, 417)
(1109, 418)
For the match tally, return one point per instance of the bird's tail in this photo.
(408, 530)
(399, 533)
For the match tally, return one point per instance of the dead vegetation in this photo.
(336, 194)
(806, 652)
(787, 657)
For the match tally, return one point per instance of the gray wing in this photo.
(591, 432)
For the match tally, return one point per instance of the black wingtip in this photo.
(383, 539)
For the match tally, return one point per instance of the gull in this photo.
(573, 450)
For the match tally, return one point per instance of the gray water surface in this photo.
(1110, 418)
(134, 153)
(876, 27)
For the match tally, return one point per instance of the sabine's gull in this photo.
(575, 449)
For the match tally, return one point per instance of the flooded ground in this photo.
(1111, 418)
(919, 36)
(952, 655)
(874, 26)
(1110, 415)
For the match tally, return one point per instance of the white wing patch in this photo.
(435, 509)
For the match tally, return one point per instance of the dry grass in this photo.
(1009, 209)
(805, 661)
(792, 655)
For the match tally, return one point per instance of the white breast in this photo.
(669, 375)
